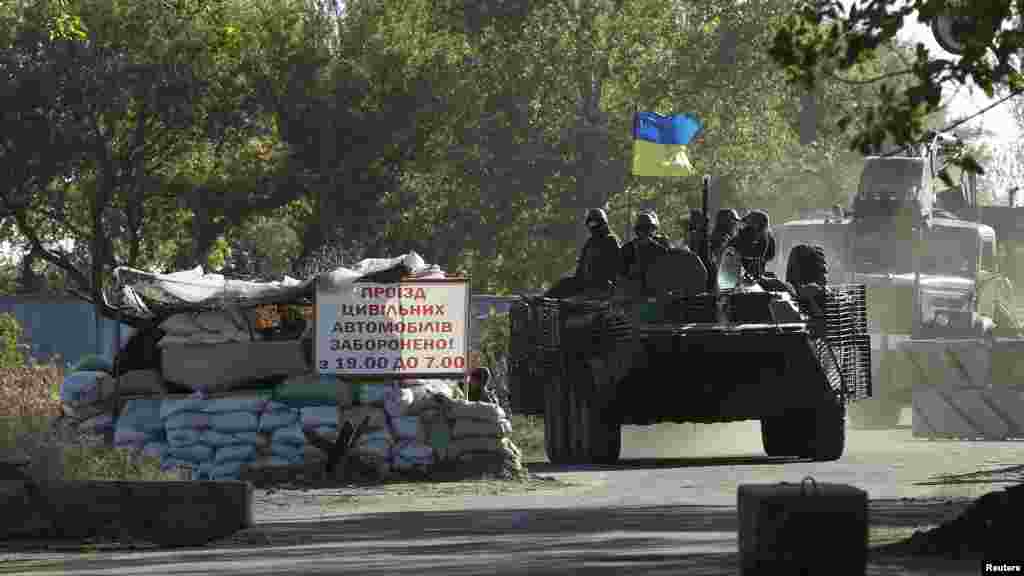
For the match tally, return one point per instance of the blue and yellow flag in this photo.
(659, 144)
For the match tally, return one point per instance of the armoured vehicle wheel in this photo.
(779, 438)
(555, 421)
(806, 265)
(601, 429)
(825, 437)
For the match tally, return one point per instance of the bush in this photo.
(10, 337)
(30, 427)
(493, 353)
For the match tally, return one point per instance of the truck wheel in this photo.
(603, 433)
(827, 433)
(777, 437)
(807, 265)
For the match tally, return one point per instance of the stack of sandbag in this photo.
(281, 439)
(233, 434)
(312, 389)
(212, 327)
(480, 433)
(321, 420)
(140, 428)
(185, 422)
(85, 395)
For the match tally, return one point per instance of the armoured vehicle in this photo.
(790, 354)
(931, 266)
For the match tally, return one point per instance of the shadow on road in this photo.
(659, 463)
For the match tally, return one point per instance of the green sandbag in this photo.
(94, 363)
(313, 389)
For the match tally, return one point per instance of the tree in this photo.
(822, 39)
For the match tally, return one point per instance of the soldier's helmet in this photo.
(596, 217)
(726, 217)
(647, 221)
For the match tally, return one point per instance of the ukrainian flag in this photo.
(659, 144)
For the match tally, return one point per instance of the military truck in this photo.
(791, 354)
(929, 261)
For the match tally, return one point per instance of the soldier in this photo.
(598, 264)
(727, 224)
(755, 243)
(639, 253)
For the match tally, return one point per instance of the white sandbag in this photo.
(476, 411)
(238, 452)
(248, 403)
(424, 395)
(230, 470)
(193, 453)
(217, 321)
(190, 420)
(279, 418)
(356, 414)
(172, 406)
(182, 324)
(471, 444)
(82, 387)
(156, 450)
(141, 414)
(172, 340)
(129, 437)
(180, 437)
(230, 422)
(316, 416)
(469, 427)
(406, 427)
(288, 435)
(142, 382)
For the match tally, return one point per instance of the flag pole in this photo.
(629, 192)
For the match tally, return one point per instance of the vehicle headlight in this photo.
(942, 319)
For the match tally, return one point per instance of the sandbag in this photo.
(191, 420)
(171, 406)
(156, 450)
(424, 396)
(180, 325)
(217, 439)
(356, 414)
(230, 470)
(230, 422)
(248, 403)
(124, 437)
(142, 414)
(476, 411)
(181, 437)
(293, 453)
(375, 447)
(461, 446)
(238, 452)
(94, 363)
(269, 462)
(414, 452)
(141, 382)
(313, 389)
(329, 433)
(254, 438)
(193, 453)
(278, 418)
(218, 321)
(289, 435)
(374, 394)
(406, 427)
(468, 427)
(315, 416)
(82, 387)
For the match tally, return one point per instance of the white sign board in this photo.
(415, 329)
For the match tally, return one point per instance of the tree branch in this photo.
(867, 81)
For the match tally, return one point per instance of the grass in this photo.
(29, 407)
(528, 436)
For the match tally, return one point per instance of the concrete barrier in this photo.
(164, 513)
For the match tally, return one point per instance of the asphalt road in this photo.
(669, 508)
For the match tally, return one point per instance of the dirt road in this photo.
(668, 509)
